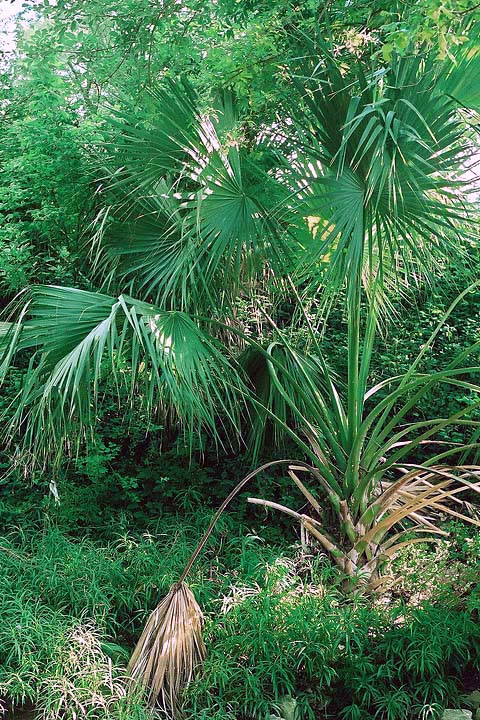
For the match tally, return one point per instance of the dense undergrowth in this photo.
(80, 576)
(279, 632)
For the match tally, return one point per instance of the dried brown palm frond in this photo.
(171, 646)
(169, 649)
(423, 495)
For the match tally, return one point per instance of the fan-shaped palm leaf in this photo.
(190, 215)
(80, 339)
(379, 164)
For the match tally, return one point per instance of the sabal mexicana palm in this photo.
(383, 184)
(375, 159)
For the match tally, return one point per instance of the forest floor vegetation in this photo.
(277, 628)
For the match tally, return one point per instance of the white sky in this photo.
(8, 12)
(9, 8)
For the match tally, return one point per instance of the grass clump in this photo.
(56, 663)
(337, 658)
(81, 681)
(72, 610)
(277, 628)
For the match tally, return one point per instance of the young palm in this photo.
(377, 165)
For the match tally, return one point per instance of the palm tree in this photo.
(191, 217)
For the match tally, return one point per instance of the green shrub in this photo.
(347, 659)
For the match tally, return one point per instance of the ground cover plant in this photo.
(276, 626)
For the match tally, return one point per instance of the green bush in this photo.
(338, 658)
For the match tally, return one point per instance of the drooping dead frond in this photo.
(171, 646)
(169, 649)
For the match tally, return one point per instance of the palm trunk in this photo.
(354, 297)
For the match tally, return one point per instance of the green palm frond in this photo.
(165, 138)
(380, 167)
(82, 340)
(290, 390)
(462, 77)
(190, 216)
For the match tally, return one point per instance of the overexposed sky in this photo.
(9, 9)
(8, 13)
